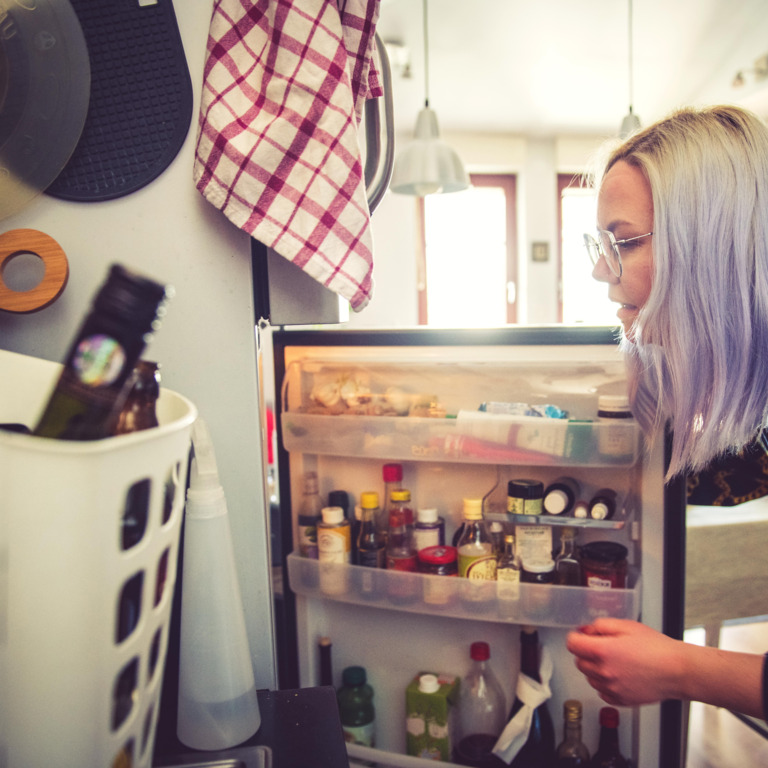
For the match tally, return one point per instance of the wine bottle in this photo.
(572, 752)
(92, 387)
(539, 748)
(608, 754)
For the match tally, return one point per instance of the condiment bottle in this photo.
(334, 538)
(608, 754)
(508, 571)
(139, 409)
(602, 505)
(429, 529)
(91, 388)
(392, 475)
(481, 710)
(371, 551)
(401, 555)
(309, 516)
(572, 752)
(475, 546)
(524, 497)
(561, 495)
(334, 549)
(356, 710)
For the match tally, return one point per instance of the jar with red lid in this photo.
(604, 565)
(438, 561)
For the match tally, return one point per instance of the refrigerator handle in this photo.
(380, 146)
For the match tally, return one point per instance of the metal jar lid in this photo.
(525, 489)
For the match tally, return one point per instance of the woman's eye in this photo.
(628, 246)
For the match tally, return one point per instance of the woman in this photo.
(683, 245)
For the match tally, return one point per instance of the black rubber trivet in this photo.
(141, 99)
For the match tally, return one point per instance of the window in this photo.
(468, 259)
(583, 300)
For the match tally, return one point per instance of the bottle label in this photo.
(308, 541)
(98, 360)
(508, 586)
(360, 734)
(534, 543)
(477, 568)
(334, 544)
(517, 506)
(371, 558)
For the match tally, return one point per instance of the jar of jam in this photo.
(438, 561)
(604, 565)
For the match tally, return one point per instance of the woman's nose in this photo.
(603, 273)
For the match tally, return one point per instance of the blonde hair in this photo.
(699, 355)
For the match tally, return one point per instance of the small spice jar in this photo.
(524, 497)
(604, 565)
(617, 438)
(438, 561)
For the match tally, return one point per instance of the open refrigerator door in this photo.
(468, 415)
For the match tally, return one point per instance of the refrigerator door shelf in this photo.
(540, 605)
(529, 441)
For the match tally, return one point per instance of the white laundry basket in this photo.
(89, 535)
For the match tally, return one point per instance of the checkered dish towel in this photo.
(284, 87)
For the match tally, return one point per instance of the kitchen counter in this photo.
(301, 727)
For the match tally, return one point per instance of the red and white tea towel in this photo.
(284, 86)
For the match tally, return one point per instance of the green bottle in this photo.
(356, 711)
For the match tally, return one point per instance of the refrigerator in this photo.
(350, 401)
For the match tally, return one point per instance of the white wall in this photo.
(536, 161)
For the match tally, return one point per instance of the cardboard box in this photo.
(430, 706)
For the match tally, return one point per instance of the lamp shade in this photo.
(427, 165)
(629, 124)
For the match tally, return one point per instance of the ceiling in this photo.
(555, 67)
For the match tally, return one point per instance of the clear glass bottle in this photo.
(572, 752)
(475, 545)
(608, 754)
(567, 562)
(508, 573)
(93, 384)
(401, 555)
(392, 475)
(481, 710)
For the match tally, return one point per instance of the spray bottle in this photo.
(218, 706)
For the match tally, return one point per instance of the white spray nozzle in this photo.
(203, 473)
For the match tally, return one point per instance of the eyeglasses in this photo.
(608, 247)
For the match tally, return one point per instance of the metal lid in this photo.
(525, 489)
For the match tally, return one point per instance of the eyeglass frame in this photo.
(596, 247)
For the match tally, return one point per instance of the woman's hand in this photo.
(628, 663)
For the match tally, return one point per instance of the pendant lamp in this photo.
(427, 165)
(631, 122)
